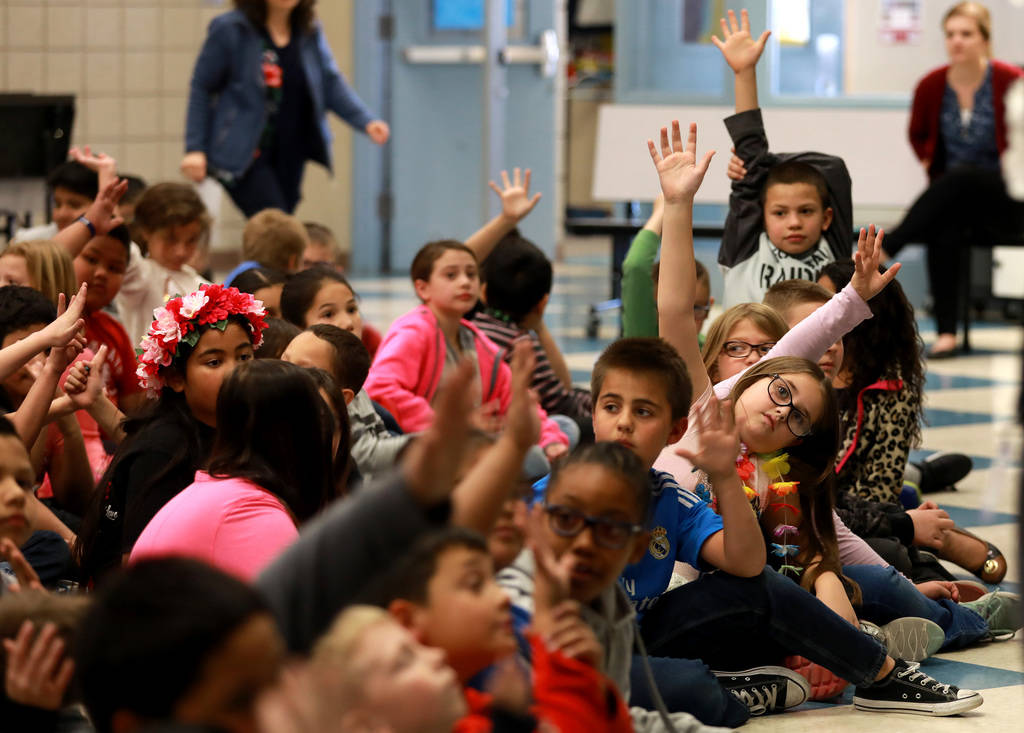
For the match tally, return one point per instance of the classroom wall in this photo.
(129, 63)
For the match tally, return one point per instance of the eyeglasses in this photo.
(701, 309)
(608, 533)
(782, 395)
(741, 349)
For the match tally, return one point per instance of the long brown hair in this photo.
(764, 319)
(811, 461)
(302, 17)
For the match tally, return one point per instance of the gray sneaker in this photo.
(910, 638)
(1001, 611)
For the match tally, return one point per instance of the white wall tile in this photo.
(141, 27)
(64, 72)
(172, 116)
(106, 121)
(141, 117)
(141, 159)
(179, 27)
(177, 71)
(103, 72)
(103, 28)
(65, 26)
(141, 72)
(25, 26)
(25, 71)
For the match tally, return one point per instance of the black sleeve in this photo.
(337, 554)
(865, 518)
(745, 220)
(839, 235)
(144, 499)
(505, 721)
(902, 525)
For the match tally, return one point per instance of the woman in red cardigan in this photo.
(958, 131)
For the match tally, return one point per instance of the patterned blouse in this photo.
(969, 136)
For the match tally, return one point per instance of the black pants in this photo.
(965, 207)
(273, 181)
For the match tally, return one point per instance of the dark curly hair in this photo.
(303, 15)
(886, 346)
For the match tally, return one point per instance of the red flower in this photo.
(272, 75)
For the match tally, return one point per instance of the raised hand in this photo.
(69, 322)
(104, 166)
(739, 48)
(516, 201)
(23, 571)
(718, 440)
(522, 421)
(37, 672)
(736, 171)
(867, 280)
(678, 170)
(102, 212)
(84, 384)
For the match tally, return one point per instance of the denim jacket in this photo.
(227, 105)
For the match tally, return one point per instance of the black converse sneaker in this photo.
(766, 689)
(909, 690)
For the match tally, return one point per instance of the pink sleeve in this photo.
(811, 337)
(394, 374)
(852, 549)
(549, 430)
(253, 533)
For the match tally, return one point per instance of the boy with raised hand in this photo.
(790, 214)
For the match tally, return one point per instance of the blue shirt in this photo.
(680, 525)
(973, 144)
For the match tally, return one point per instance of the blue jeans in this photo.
(686, 686)
(887, 595)
(735, 623)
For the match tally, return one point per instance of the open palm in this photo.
(678, 170)
(739, 48)
(867, 280)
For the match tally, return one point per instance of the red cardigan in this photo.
(925, 126)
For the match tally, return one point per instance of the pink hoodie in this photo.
(407, 371)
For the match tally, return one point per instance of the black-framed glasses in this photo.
(611, 534)
(742, 349)
(781, 394)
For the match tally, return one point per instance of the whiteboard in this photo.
(873, 142)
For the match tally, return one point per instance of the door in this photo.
(435, 168)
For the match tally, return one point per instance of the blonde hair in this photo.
(49, 266)
(334, 652)
(274, 239)
(976, 12)
(763, 317)
(787, 294)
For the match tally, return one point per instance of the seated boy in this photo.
(790, 214)
(516, 284)
(73, 187)
(272, 239)
(323, 248)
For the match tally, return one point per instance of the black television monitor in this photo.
(35, 133)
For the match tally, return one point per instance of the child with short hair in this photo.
(790, 214)
(278, 334)
(263, 284)
(323, 248)
(172, 220)
(260, 482)
(275, 240)
(73, 186)
(41, 264)
(423, 345)
(342, 355)
(194, 342)
(515, 288)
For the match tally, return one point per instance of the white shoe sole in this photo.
(794, 697)
(939, 709)
(912, 639)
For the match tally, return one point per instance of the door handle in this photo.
(545, 55)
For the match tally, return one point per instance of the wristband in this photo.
(92, 229)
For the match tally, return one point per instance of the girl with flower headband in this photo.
(194, 342)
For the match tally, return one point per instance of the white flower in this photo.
(192, 303)
(165, 325)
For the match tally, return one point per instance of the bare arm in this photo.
(84, 391)
(101, 214)
(516, 204)
(680, 175)
(741, 52)
(58, 333)
(70, 473)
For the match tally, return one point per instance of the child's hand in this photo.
(488, 418)
(23, 571)
(432, 460)
(378, 131)
(736, 171)
(193, 165)
(718, 440)
(867, 280)
(59, 357)
(102, 212)
(516, 202)
(739, 48)
(552, 576)
(38, 673)
(677, 167)
(939, 589)
(65, 327)
(572, 636)
(84, 383)
(104, 166)
(930, 526)
(522, 421)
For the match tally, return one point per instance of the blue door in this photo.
(436, 163)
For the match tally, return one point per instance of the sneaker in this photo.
(909, 690)
(766, 689)
(940, 471)
(970, 590)
(910, 638)
(1001, 611)
(824, 684)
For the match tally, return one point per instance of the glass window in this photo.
(467, 15)
(807, 46)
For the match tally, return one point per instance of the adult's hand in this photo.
(378, 131)
(193, 165)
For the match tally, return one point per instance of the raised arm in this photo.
(680, 174)
(639, 306)
(57, 333)
(516, 204)
(741, 52)
(101, 217)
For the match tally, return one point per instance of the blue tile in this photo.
(971, 676)
(966, 517)
(949, 381)
(937, 418)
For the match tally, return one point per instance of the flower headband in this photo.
(179, 322)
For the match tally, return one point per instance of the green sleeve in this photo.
(639, 308)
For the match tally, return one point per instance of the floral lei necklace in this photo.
(774, 466)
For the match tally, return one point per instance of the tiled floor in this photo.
(970, 407)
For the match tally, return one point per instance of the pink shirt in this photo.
(230, 523)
